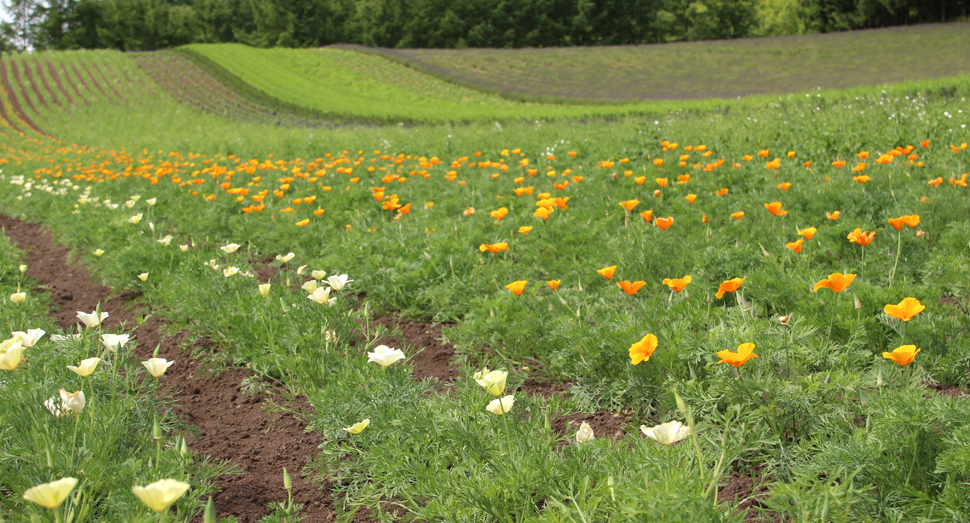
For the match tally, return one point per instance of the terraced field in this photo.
(698, 70)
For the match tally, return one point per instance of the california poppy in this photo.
(774, 164)
(494, 248)
(722, 191)
(664, 223)
(784, 186)
(631, 288)
(834, 215)
(863, 155)
(640, 179)
(690, 198)
(903, 355)
(553, 284)
(861, 237)
(775, 208)
(736, 359)
(737, 215)
(607, 272)
(647, 215)
(838, 164)
(808, 233)
(836, 282)
(525, 229)
(301, 223)
(861, 166)
(517, 287)
(542, 212)
(861, 179)
(661, 181)
(629, 204)
(729, 286)
(763, 153)
(499, 213)
(677, 284)
(905, 310)
(925, 144)
(795, 245)
(643, 349)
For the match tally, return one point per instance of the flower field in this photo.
(745, 311)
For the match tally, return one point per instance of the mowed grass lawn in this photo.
(710, 69)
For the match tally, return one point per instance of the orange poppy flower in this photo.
(936, 182)
(925, 144)
(659, 162)
(640, 179)
(469, 211)
(807, 164)
(607, 272)
(494, 248)
(737, 215)
(796, 245)
(808, 233)
(682, 179)
(839, 164)
(834, 215)
(553, 284)
(301, 223)
(861, 166)
(729, 286)
(677, 284)
(747, 157)
(861, 179)
(774, 164)
(775, 209)
(405, 210)
(319, 212)
(631, 288)
(647, 215)
(562, 185)
(861, 237)
(736, 359)
(863, 155)
(656, 193)
(784, 186)
(905, 310)
(763, 153)
(791, 154)
(903, 355)
(643, 349)
(542, 212)
(704, 217)
(961, 181)
(664, 223)
(525, 229)
(836, 282)
(690, 197)
(722, 191)
(517, 287)
(661, 181)
(629, 204)
(499, 213)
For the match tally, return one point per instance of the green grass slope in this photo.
(695, 70)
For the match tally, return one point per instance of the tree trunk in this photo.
(943, 9)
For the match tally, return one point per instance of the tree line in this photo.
(155, 24)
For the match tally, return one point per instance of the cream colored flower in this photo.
(55, 407)
(384, 355)
(184, 248)
(157, 366)
(231, 248)
(358, 427)
(98, 252)
(338, 282)
(585, 433)
(11, 357)
(230, 271)
(286, 258)
(310, 286)
(135, 197)
(299, 270)
(159, 496)
(22, 268)
(318, 275)
(143, 276)
(18, 297)
(73, 401)
(166, 240)
(135, 219)
(494, 382)
(151, 201)
(51, 495)
(264, 289)
(501, 406)
(91, 320)
(86, 367)
(320, 295)
(31, 337)
(480, 374)
(666, 433)
(114, 342)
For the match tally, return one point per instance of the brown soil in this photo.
(950, 391)
(14, 104)
(434, 358)
(740, 491)
(604, 425)
(231, 426)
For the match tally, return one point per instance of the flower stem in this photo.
(899, 245)
(838, 296)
